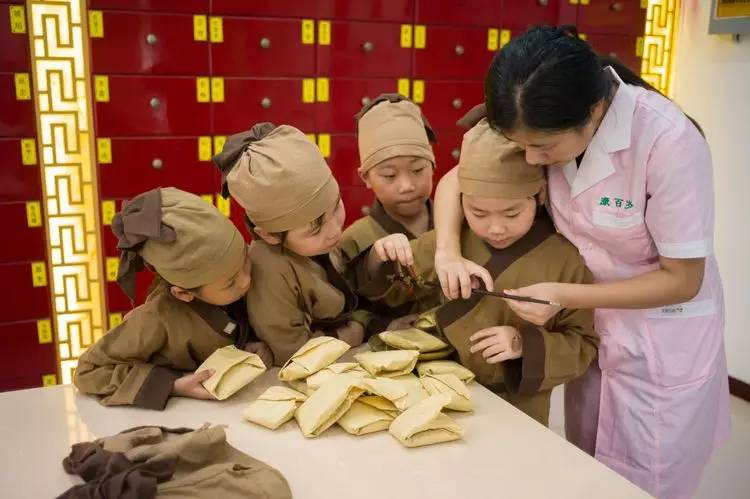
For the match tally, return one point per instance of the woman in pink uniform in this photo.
(630, 184)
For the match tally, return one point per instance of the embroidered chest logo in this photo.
(618, 202)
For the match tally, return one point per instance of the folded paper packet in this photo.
(427, 321)
(380, 403)
(348, 368)
(363, 418)
(424, 424)
(234, 368)
(436, 355)
(388, 363)
(445, 367)
(299, 385)
(274, 407)
(413, 339)
(312, 357)
(402, 393)
(450, 384)
(327, 404)
(415, 391)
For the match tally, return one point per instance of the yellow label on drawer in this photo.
(418, 91)
(224, 205)
(324, 144)
(216, 28)
(582, 36)
(504, 37)
(308, 90)
(109, 208)
(113, 264)
(584, 2)
(420, 36)
(311, 137)
(101, 88)
(406, 36)
(44, 331)
(324, 32)
(28, 151)
(403, 86)
(205, 150)
(49, 379)
(23, 86)
(217, 89)
(644, 4)
(38, 274)
(115, 319)
(308, 31)
(573, 2)
(104, 150)
(203, 89)
(493, 39)
(33, 213)
(640, 43)
(96, 24)
(321, 90)
(17, 19)
(200, 28)
(209, 198)
(219, 141)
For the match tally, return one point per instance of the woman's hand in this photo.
(458, 275)
(537, 313)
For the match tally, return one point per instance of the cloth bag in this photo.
(450, 384)
(234, 368)
(274, 407)
(388, 363)
(424, 424)
(312, 357)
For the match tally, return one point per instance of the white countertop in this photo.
(504, 453)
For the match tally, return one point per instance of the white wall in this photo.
(712, 84)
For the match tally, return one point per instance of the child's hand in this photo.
(260, 349)
(190, 386)
(394, 248)
(353, 333)
(404, 322)
(497, 344)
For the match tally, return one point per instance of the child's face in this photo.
(313, 239)
(402, 184)
(499, 222)
(227, 289)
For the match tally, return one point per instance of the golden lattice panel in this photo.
(659, 39)
(60, 74)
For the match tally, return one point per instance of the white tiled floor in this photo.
(728, 474)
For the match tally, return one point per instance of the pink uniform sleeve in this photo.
(679, 185)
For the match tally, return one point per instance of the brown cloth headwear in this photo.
(492, 166)
(281, 180)
(391, 126)
(473, 116)
(234, 147)
(186, 240)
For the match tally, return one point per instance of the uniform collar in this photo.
(613, 135)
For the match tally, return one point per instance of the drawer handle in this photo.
(459, 49)
(543, 3)
(368, 47)
(457, 103)
(265, 103)
(616, 7)
(151, 39)
(456, 154)
(154, 102)
(613, 55)
(156, 164)
(365, 210)
(366, 101)
(265, 43)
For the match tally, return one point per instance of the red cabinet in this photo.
(521, 14)
(18, 182)
(262, 47)
(148, 43)
(382, 10)
(623, 47)
(152, 105)
(459, 12)
(612, 17)
(363, 50)
(17, 110)
(28, 234)
(152, 5)
(25, 360)
(29, 301)
(346, 98)
(275, 8)
(344, 159)
(357, 202)
(251, 100)
(14, 55)
(447, 152)
(141, 164)
(453, 53)
(447, 101)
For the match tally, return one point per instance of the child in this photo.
(203, 263)
(293, 206)
(511, 235)
(397, 164)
